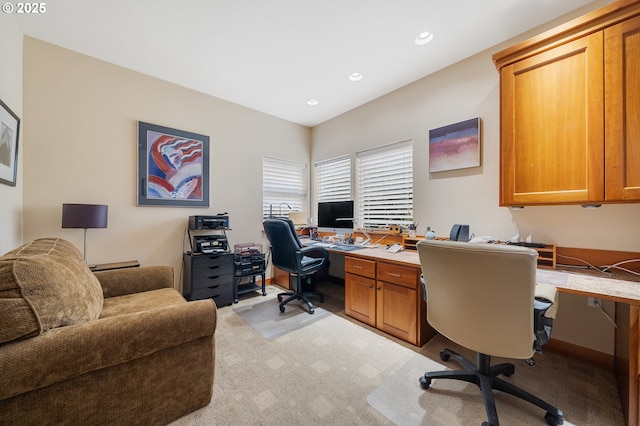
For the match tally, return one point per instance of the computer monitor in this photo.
(335, 216)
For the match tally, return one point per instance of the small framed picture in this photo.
(456, 146)
(9, 137)
(173, 167)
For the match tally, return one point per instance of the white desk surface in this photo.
(589, 283)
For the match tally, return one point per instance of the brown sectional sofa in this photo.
(114, 347)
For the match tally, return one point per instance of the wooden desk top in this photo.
(584, 284)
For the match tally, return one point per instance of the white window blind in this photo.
(333, 179)
(384, 182)
(284, 187)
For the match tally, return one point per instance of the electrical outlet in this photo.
(594, 302)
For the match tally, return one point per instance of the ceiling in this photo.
(273, 56)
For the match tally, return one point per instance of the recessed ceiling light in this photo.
(312, 102)
(423, 38)
(355, 76)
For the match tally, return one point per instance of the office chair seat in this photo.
(482, 297)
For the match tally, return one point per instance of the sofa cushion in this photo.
(45, 284)
(140, 302)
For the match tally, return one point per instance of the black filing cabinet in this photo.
(209, 276)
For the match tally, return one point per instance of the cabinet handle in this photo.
(214, 267)
(357, 267)
(371, 286)
(379, 288)
(394, 275)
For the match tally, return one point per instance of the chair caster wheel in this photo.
(510, 371)
(279, 298)
(444, 356)
(425, 382)
(554, 419)
(311, 311)
(281, 308)
(321, 299)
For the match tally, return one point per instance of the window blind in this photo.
(284, 185)
(384, 182)
(332, 181)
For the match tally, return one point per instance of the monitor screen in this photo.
(335, 216)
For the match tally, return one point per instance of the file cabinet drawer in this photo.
(212, 280)
(222, 295)
(210, 265)
(405, 276)
(362, 267)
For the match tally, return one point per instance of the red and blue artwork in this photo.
(456, 146)
(174, 167)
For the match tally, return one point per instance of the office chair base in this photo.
(304, 296)
(485, 377)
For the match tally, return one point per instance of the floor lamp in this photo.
(84, 216)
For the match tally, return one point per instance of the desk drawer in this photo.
(362, 267)
(405, 276)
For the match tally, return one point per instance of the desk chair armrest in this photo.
(312, 251)
(304, 263)
(545, 306)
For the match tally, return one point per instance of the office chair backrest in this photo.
(284, 243)
(481, 295)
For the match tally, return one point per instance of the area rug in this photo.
(266, 318)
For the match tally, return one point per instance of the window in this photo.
(384, 185)
(332, 181)
(284, 187)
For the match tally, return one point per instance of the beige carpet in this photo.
(335, 371)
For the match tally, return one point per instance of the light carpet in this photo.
(336, 371)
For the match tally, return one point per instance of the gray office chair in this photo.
(484, 297)
(288, 254)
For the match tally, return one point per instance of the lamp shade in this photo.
(84, 216)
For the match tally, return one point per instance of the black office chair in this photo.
(288, 254)
(484, 297)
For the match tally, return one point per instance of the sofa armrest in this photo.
(119, 282)
(71, 351)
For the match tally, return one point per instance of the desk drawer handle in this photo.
(394, 275)
(357, 267)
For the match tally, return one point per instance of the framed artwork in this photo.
(9, 136)
(456, 146)
(173, 167)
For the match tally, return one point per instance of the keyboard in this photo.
(325, 245)
(530, 245)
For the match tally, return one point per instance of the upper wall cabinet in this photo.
(570, 112)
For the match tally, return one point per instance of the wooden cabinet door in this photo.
(397, 311)
(552, 126)
(360, 298)
(622, 100)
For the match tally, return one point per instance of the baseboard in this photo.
(597, 358)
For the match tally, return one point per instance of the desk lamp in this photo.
(84, 216)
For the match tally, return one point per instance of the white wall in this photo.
(11, 95)
(81, 147)
(468, 89)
